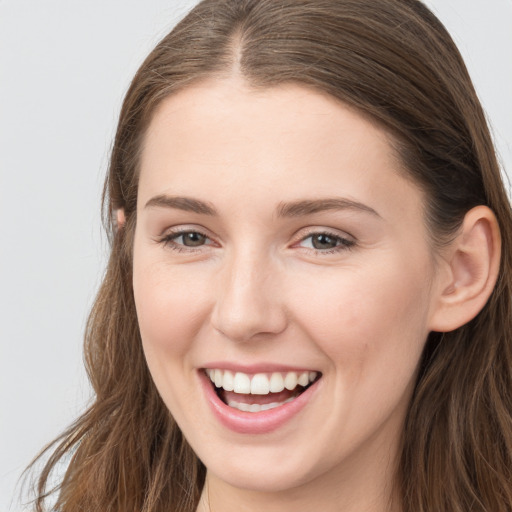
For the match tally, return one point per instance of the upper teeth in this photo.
(260, 383)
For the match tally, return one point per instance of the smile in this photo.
(256, 393)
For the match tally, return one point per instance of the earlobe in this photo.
(120, 218)
(470, 273)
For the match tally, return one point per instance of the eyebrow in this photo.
(310, 206)
(285, 209)
(186, 204)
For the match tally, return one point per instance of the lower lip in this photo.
(254, 422)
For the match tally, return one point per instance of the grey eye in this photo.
(323, 241)
(191, 239)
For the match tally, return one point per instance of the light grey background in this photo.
(64, 66)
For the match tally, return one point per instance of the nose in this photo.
(248, 302)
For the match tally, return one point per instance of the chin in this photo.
(262, 479)
(265, 470)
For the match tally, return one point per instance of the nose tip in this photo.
(248, 307)
(243, 327)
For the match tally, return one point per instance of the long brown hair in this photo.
(394, 62)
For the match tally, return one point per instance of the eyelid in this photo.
(322, 230)
(347, 241)
(168, 237)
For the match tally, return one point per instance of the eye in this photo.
(190, 239)
(185, 240)
(326, 242)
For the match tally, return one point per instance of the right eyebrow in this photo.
(187, 204)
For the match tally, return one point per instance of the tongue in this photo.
(259, 399)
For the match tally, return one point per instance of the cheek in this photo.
(171, 305)
(371, 327)
(370, 321)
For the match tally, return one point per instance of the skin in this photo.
(257, 291)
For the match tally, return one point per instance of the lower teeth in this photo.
(241, 406)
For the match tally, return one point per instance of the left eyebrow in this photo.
(310, 206)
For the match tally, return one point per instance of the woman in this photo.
(307, 303)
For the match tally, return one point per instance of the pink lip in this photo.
(253, 422)
(255, 368)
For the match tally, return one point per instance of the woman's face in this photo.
(276, 237)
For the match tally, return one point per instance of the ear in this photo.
(469, 271)
(120, 218)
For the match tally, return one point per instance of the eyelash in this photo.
(169, 240)
(343, 244)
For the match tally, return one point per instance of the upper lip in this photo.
(256, 367)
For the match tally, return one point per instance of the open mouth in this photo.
(261, 391)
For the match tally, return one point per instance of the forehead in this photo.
(218, 138)
(290, 109)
